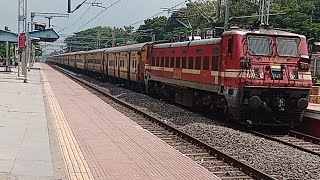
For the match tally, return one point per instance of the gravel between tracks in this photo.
(271, 157)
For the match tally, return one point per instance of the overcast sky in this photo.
(125, 12)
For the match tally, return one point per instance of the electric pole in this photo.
(218, 9)
(49, 16)
(227, 15)
(113, 37)
(264, 12)
(69, 6)
(23, 37)
(98, 40)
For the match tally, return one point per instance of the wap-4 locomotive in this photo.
(259, 77)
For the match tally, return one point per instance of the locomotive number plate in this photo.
(177, 74)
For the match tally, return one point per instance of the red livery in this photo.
(259, 77)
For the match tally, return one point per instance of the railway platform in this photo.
(53, 128)
(311, 120)
(25, 143)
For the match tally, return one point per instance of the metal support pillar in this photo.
(22, 29)
(7, 56)
(227, 15)
(315, 66)
(218, 9)
(114, 37)
(69, 6)
(264, 12)
(33, 55)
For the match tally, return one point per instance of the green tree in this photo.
(98, 37)
(299, 16)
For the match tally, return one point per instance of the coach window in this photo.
(184, 62)
(162, 62)
(215, 61)
(190, 63)
(178, 62)
(158, 61)
(172, 62)
(167, 62)
(206, 63)
(153, 61)
(198, 62)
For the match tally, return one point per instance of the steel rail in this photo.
(272, 138)
(253, 172)
(307, 137)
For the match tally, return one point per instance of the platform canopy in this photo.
(46, 35)
(8, 36)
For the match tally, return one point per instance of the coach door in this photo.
(85, 61)
(117, 65)
(226, 57)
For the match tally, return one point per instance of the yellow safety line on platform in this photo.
(75, 162)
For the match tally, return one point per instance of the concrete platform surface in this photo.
(98, 142)
(314, 107)
(24, 140)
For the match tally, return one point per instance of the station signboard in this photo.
(22, 41)
(39, 27)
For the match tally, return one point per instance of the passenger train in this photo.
(256, 77)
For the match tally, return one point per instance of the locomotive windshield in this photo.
(259, 45)
(288, 46)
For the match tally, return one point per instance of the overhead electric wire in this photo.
(79, 17)
(83, 13)
(200, 10)
(157, 14)
(105, 8)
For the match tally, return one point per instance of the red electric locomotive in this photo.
(260, 77)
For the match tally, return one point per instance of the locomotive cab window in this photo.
(259, 45)
(288, 46)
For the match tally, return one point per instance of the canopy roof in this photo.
(8, 36)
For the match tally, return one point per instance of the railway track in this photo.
(222, 165)
(296, 140)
